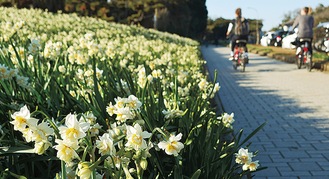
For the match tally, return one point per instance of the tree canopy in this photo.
(183, 17)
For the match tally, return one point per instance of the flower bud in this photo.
(84, 170)
(143, 164)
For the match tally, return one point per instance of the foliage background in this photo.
(186, 18)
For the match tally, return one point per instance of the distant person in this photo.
(304, 22)
(240, 32)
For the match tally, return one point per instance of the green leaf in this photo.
(16, 150)
(196, 174)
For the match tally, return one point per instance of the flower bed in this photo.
(84, 97)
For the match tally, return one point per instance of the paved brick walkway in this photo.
(295, 103)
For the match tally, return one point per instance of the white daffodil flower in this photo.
(73, 129)
(172, 146)
(65, 151)
(252, 166)
(243, 156)
(123, 114)
(105, 145)
(136, 137)
(133, 102)
(22, 119)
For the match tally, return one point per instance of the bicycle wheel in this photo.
(243, 64)
(309, 63)
(235, 67)
(235, 63)
(299, 61)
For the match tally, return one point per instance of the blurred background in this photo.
(188, 18)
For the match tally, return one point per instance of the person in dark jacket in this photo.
(304, 22)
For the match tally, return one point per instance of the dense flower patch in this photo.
(81, 97)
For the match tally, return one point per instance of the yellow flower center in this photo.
(252, 165)
(136, 139)
(132, 104)
(3, 70)
(20, 119)
(72, 132)
(244, 159)
(171, 146)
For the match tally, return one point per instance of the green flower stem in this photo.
(63, 167)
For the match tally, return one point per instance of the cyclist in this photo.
(241, 31)
(305, 23)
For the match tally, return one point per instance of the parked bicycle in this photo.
(304, 56)
(239, 58)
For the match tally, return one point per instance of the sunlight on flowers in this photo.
(136, 136)
(172, 146)
(245, 158)
(105, 145)
(73, 129)
(66, 151)
(227, 119)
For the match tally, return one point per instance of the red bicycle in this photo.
(239, 58)
(304, 56)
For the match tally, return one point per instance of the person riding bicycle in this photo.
(241, 31)
(304, 22)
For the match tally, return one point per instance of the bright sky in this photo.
(271, 12)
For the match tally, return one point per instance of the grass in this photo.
(317, 56)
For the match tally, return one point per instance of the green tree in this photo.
(198, 17)
(183, 17)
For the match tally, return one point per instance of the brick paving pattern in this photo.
(294, 103)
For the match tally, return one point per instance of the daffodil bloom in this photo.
(142, 79)
(40, 136)
(22, 119)
(110, 109)
(65, 151)
(133, 102)
(73, 130)
(120, 102)
(94, 130)
(136, 137)
(3, 70)
(156, 73)
(243, 156)
(42, 131)
(90, 117)
(203, 84)
(62, 69)
(117, 161)
(28, 134)
(41, 147)
(34, 46)
(170, 114)
(22, 81)
(115, 131)
(124, 108)
(227, 119)
(172, 146)
(216, 87)
(84, 170)
(252, 166)
(123, 114)
(105, 145)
